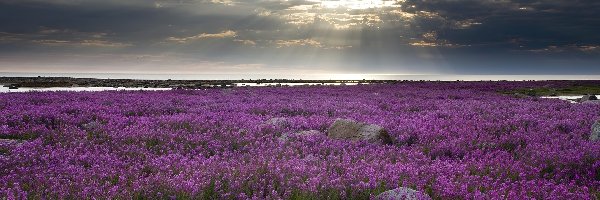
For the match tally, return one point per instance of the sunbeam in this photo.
(358, 4)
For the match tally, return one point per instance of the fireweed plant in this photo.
(452, 140)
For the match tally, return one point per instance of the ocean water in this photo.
(571, 98)
(439, 77)
(94, 89)
(74, 89)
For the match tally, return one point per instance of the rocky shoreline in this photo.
(44, 82)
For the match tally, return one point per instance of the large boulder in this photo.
(402, 193)
(595, 136)
(352, 130)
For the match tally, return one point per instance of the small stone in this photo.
(595, 136)
(310, 158)
(278, 122)
(92, 125)
(402, 193)
(278, 126)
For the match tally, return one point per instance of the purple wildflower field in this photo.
(452, 140)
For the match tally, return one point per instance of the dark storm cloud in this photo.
(531, 24)
(458, 36)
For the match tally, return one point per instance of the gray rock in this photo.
(591, 102)
(311, 158)
(309, 132)
(278, 126)
(93, 125)
(352, 130)
(595, 136)
(588, 98)
(402, 193)
(278, 122)
(286, 136)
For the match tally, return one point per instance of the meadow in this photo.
(452, 140)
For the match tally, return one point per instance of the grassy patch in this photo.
(4, 151)
(549, 91)
(20, 136)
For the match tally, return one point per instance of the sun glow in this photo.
(358, 4)
(346, 14)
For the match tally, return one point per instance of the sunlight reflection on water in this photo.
(76, 89)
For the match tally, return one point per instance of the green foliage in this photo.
(21, 136)
(210, 192)
(548, 171)
(547, 91)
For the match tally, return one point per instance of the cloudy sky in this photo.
(301, 36)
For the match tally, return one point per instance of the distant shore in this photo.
(45, 82)
(544, 88)
(293, 76)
